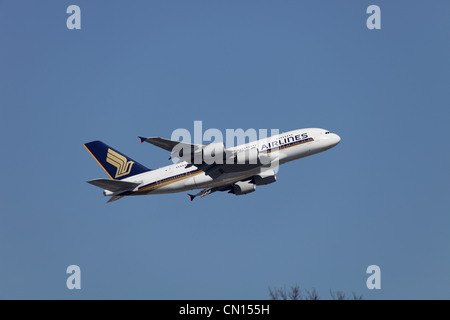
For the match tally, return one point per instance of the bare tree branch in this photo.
(312, 295)
(273, 294)
(337, 295)
(295, 293)
(357, 297)
(283, 293)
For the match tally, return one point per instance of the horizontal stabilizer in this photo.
(114, 185)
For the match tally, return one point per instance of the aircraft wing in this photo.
(213, 170)
(169, 145)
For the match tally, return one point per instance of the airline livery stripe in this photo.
(164, 182)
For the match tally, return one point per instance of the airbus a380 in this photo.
(237, 170)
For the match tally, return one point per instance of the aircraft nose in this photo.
(336, 139)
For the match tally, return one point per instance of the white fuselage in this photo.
(280, 149)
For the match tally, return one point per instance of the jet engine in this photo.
(243, 187)
(265, 177)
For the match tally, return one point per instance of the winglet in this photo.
(142, 139)
(191, 196)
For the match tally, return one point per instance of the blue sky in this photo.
(149, 67)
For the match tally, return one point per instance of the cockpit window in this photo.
(328, 132)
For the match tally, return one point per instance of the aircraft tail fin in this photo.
(116, 164)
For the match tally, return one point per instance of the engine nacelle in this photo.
(214, 153)
(243, 187)
(264, 178)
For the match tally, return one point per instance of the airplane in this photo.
(209, 167)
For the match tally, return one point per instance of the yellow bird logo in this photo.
(120, 162)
